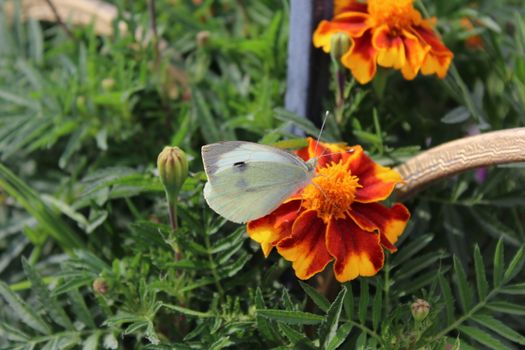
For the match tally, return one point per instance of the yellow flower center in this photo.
(332, 192)
(397, 14)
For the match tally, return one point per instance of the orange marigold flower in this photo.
(337, 217)
(472, 41)
(389, 33)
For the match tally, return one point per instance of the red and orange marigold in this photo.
(389, 33)
(336, 218)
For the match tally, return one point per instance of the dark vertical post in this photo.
(308, 67)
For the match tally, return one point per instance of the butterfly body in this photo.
(247, 180)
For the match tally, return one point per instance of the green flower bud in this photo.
(108, 84)
(339, 45)
(173, 170)
(100, 286)
(420, 309)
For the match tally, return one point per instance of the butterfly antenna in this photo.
(320, 132)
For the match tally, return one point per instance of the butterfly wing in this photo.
(248, 180)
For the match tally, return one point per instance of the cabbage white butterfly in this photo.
(248, 180)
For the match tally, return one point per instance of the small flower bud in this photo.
(202, 38)
(100, 286)
(420, 309)
(108, 84)
(173, 170)
(339, 45)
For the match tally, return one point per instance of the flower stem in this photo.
(339, 94)
(172, 213)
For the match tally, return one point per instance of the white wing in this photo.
(248, 181)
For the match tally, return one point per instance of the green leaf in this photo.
(80, 308)
(411, 249)
(91, 342)
(319, 299)
(263, 325)
(514, 289)
(291, 334)
(498, 264)
(188, 312)
(348, 303)
(303, 123)
(377, 305)
(49, 303)
(23, 311)
(482, 337)
(360, 344)
(447, 296)
(499, 328)
(47, 218)
(363, 300)
(481, 277)
(457, 115)
(507, 308)
(329, 327)
(515, 265)
(340, 336)
(291, 317)
(465, 291)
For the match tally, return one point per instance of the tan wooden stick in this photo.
(493, 148)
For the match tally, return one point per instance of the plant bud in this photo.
(420, 309)
(173, 170)
(108, 84)
(339, 45)
(100, 286)
(202, 38)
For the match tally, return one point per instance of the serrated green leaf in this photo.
(363, 300)
(499, 328)
(80, 309)
(507, 308)
(23, 311)
(498, 264)
(447, 296)
(319, 299)
(482, 337)
(411, 249)
(329, 326)
(340, 336)
(464, 290)
(515, 265)
(291, 334)
(263, 325)
(50, 304)
(291, 317)
(188, 312)
(481, 277)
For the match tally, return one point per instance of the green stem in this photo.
(339, 76)
(213, 266)
(172, 213)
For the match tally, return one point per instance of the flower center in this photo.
(397, 14)
(332, 192)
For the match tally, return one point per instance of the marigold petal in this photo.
(272, 228)
(341, 6)
(326, 152)
(352, 23)
(415, 51)
(439, 57)
(391, 222)
(377, 182)
(361, 58)
(390, 48)
(356, 252)
(305, 248)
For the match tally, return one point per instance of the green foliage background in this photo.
(82, 120)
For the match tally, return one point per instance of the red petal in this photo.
(341, 6)
(361, 59)
(391, 222)
(305, 248)
(356, 252)
(272, 228)
(439, 58)
(377, 181)
(416, 50)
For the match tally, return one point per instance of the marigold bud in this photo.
(202, 38)
(173, 170)
(339, 45)
(420, 309)
(108, 84)
(100, 286)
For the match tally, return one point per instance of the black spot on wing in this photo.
(240, 166)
